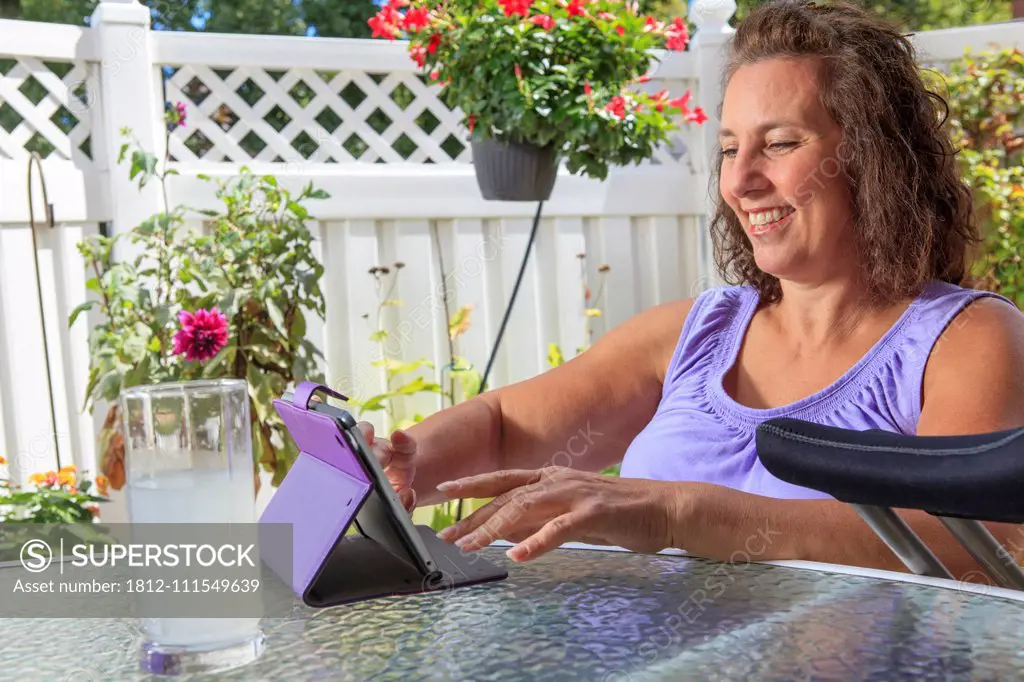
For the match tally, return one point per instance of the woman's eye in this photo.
(781, 146)
(729, 153)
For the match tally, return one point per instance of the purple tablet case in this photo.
(328, 490)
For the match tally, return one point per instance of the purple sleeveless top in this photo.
(701, 434)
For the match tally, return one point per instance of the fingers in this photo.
(516, 498)
(509, 515)
(401, 465)
(367, 429)
(490, 485)
(407, 496)
(403, 442)
(555, 532)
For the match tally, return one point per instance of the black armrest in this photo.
(973, 477)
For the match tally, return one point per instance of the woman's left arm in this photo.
(973, 383)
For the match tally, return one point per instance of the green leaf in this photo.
(555, 357)
(396, 367)
(378, 335)
(418, 385)
(298, 330)
(376, 402)
(140, 373)
(276, 316)
(221, 364)
(79, 309)
(469, 381)
(110, 386)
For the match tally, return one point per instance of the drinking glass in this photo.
(188, 459)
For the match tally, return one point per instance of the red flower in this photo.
(202, 334)
(419, 55)
(575, 8)
(677, 36)
(621, 30)
(435, 42)
(386, 23)
(587, 89)
(660, 98)
(682, 103)
(652, 25)
(617, 106)
(472, 122)
(545, 21)
(697, 116)
(512, 7)
(416, 19)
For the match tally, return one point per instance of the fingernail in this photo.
(447, 485)
(515, 553)
(447, 533)
(462, 543)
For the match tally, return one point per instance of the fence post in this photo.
(127, 86)
(709, 45)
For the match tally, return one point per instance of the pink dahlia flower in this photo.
(202, 334)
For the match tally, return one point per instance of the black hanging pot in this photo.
(514, 171)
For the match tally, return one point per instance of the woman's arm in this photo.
(973, 383)
(582, 414)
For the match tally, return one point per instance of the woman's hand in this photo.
(541, 509)
(397, 458)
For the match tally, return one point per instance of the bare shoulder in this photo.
(974, 379)
(651, 335)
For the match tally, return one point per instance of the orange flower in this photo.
(66, 477)
(51, 478)
(2, 461)
(101, 485)
(37, 479)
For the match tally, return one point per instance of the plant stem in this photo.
(447, 313)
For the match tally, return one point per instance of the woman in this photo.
(846, 223)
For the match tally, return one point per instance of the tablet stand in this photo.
(327, 491)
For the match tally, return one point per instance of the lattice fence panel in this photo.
(46, 107)
(312, 116)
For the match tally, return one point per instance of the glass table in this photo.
(583, 614)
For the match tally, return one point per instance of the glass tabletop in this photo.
(596, 615)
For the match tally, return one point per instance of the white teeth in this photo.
(770, 216)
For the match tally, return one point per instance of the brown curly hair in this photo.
(912, 212)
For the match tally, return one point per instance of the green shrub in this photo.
(986, 96)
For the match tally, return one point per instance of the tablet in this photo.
(382, 516)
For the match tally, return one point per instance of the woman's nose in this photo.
(743, 175)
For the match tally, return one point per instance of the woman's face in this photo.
(781, 171)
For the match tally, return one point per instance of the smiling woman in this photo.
(843, 228)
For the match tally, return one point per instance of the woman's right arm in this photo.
(582, 414)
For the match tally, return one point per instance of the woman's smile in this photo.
(762, 221)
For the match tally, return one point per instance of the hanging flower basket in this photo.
(514, 171)
(560, 77)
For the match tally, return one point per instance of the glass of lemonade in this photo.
(188, 459)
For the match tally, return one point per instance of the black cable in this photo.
(512, 298)
(35, 159)
(504, 320)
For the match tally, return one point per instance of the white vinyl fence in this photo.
(353, 118)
